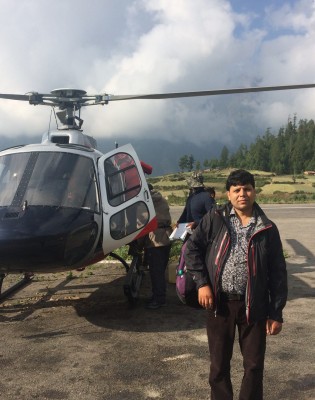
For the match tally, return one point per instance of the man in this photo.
(157, 246)
(242, 282)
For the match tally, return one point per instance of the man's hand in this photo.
(273, 327)
(191, 225)
(205, 297)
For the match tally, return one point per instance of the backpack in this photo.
(185, 285)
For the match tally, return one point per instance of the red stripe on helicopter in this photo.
(152, 225)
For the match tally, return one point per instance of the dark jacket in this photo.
(266, 291)
(186, 214)
(197, 205)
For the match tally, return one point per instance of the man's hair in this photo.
(239, 177)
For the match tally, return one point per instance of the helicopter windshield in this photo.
(48, 179)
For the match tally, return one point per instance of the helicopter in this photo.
(64, 205)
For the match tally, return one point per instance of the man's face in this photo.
(242, 197)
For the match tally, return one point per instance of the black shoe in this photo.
(154, 305)
(149, 300)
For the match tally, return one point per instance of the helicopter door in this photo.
(128, 210)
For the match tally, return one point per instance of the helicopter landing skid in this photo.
(27, 279)
(126, 265)
(133, 279)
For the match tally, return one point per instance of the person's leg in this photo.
(221, 333)
(158, 258)
(252, 340)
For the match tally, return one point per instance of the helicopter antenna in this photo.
(49, 123)
(55, 117)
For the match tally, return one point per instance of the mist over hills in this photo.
(162, 154)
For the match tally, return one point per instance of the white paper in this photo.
(180, 232)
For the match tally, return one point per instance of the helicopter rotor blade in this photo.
(79, 98)
(33, 98)
(208, 92)
(47, 99)
(23, 97)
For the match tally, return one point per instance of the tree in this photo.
(183, 163)
(224, 157)
(186, 163)
(238, 159)
(206, 164)
(191, 162)
(290, 152)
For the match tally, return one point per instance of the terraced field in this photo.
(271, 188)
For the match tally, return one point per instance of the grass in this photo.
(174, 255)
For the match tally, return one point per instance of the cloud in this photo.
(154, 46)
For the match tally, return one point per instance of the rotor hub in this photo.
(68, 93)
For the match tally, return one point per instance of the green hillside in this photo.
(270, 188)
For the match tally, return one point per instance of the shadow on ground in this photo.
(105, 305)
(300, 268)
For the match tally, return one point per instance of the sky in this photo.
(158, 46)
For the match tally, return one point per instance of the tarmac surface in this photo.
(73, 339)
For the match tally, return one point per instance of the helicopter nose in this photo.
(46, 239)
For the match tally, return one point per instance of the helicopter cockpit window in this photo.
(122, 225)
(122, 178)
(11, 172)
(48, 179)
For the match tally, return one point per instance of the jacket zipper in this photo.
(218, 263)
(252, 249)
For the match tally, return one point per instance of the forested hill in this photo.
(292, 151)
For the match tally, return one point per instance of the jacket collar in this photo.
(260, 216)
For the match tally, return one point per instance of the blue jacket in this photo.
(197, 205)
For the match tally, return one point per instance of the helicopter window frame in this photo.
(11, 173)
(129, 220)
(122, 178)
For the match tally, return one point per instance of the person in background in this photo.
(157, 246)
(198, 202)
(241, 279)
(186, 213)
(211, 191)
